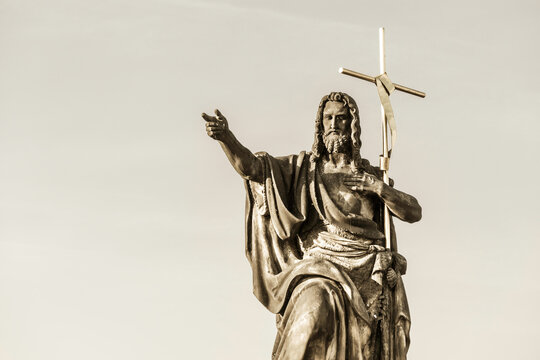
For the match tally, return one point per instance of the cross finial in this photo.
(385, 87)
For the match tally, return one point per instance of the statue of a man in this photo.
(315, 241)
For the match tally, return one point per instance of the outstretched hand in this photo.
(216, 126)
(364, 182)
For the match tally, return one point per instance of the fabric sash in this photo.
(385, 87)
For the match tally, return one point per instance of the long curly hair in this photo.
(319, 149)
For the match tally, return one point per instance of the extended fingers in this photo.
(216, 126)
(355, 177)
(218, 118)
(355, 184)
(353, 181)
(218, 113)
(360, 179)
(207, 117)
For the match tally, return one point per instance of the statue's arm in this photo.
(402, 205)
(241, 158)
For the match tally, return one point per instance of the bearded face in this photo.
(337, 127)
(335, 143)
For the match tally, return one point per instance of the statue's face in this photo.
(337, 127)
(336, 119)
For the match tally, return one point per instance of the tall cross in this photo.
(386, 117)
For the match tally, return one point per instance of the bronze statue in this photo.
(315, 241)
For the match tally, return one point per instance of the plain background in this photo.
(121, 222)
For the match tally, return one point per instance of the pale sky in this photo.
(121, 222)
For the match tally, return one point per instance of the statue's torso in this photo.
(347, 200)
(354, 253)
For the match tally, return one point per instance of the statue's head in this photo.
(337, 127)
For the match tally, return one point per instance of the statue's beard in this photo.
(336, 143)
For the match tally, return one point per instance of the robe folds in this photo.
(322, 307)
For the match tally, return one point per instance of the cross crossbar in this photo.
(372, 79)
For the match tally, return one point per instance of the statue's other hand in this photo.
(364, 182)
(216, 126)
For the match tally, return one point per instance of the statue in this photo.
(315, 241)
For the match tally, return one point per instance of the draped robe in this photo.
(321, 303)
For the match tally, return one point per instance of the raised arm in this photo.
(242, 159)
(402, 205)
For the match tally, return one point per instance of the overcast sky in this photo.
(121, 222)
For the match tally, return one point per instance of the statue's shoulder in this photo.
(286, 161)
(301, 156)
(261, 154)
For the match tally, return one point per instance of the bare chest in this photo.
(348, 201)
